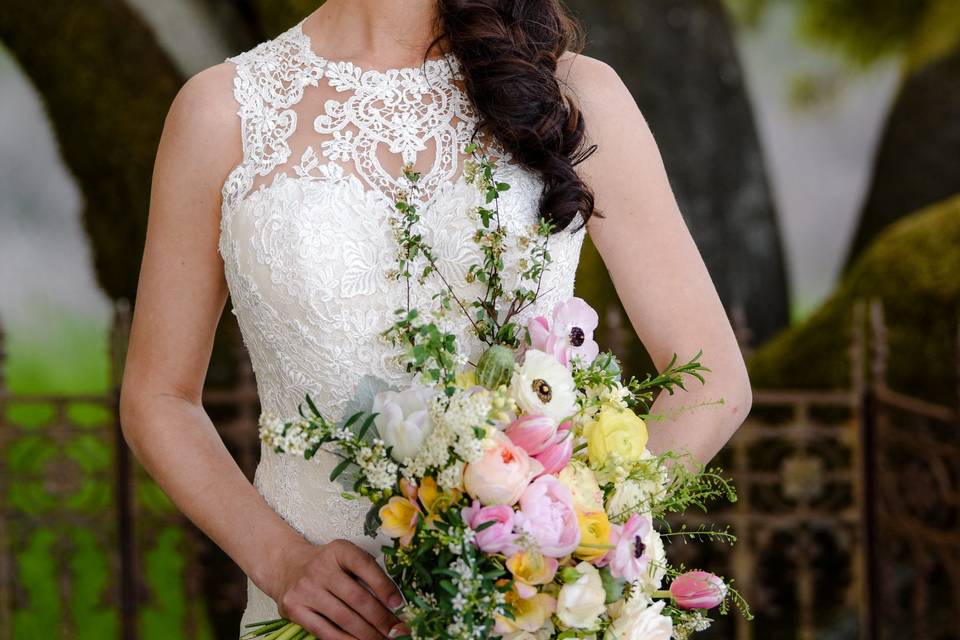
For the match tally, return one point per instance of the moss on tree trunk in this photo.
(106, 85)
(917, 163)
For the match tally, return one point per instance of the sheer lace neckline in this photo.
(311, 118)
(447, 63)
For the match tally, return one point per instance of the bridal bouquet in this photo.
(518, 490)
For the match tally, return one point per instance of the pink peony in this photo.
(548, 518)
(495, 538)
(628, 559)
(557, 455)
(570, 333)
(532, 432)
(502, 474)
(698, 590)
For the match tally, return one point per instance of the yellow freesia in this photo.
(399, 519)
(530, 568)
(529, 614)
(434, 500)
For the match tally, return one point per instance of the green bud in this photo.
(609, 363)
(569, 574)
(495, 366)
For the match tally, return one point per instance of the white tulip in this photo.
(403, 420)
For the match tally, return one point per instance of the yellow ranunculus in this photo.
(616, 433)
(594, 530)
(399, 517)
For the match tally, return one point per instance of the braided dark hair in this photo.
(508, 52)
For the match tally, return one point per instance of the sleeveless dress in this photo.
(306, 243)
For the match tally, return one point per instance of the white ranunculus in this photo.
(580, 479)
(651, 579)
(543, 386)
(403, 420)
(640, 620)
(639, 494)
(581, 603)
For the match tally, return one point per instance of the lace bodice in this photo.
(306, 244)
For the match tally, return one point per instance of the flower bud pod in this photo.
(495, 366)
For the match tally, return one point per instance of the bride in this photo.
(273, 181)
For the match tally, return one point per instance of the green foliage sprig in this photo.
(356, 443)
(428, 350)
(692, 488)
(445, 577)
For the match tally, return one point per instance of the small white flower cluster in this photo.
(380, 470)
(467, 537)
(451, 477)
(691, 622)
(453, 431)
(598, 396)
(293, 438)
(473, 175)
(470, 595)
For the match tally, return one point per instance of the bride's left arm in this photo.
(655, 266)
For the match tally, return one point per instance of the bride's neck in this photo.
(381, 32)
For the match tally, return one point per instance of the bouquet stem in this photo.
(277, 630)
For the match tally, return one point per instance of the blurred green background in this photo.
(813, 145)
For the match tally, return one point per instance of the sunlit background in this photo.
(814, 147)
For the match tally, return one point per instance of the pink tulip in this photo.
(698, 590)
(568, 334)
(496, 538)
(532, 433)
(548, 517)
(557, 455)
(627, 559)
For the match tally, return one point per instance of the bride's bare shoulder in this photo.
(201, 127)
(206, 100)
(593, 83)
(613, 118)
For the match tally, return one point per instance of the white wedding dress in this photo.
(306, 244)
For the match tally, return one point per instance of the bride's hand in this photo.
(321, 588)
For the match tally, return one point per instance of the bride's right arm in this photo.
(180, 297)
